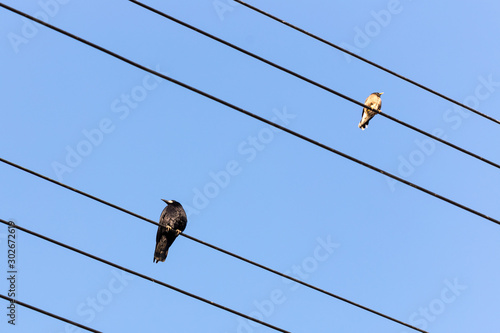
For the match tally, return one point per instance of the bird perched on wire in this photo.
(173, 221)
(373, 101)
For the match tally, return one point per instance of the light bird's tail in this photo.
(364, 121)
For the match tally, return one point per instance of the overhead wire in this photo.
(248, 113)
(449, 99)
(145, 277)
(47, 313)
(319, 85)
(236, 108)
(248, 261)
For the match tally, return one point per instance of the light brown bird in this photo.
(373, 101)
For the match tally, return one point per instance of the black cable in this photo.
(260, 11)
(12, 300)
(319, 85)
(237, 109)
(145, 277)
(213, 246)
(248, 113)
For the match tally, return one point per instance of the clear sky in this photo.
(95, 123)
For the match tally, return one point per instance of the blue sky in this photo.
(95, 123)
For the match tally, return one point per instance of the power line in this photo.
(260, 11)
(251, 115)
(12, 300)
(248, 113)
(248, 261)
(145, 277)
(319, 85)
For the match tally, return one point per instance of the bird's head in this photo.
(169, 202)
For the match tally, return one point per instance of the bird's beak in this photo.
(381, 93)
(166, 201)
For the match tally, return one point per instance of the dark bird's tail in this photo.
(161, 250)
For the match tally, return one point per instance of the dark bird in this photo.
(373, 101)
(173, 221)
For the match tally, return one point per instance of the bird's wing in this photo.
(376, 105)
(374, 102)
(369, 103)
(171, 217)
(158, 234)
(368, 100)
(164, 217)
(168, 216)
